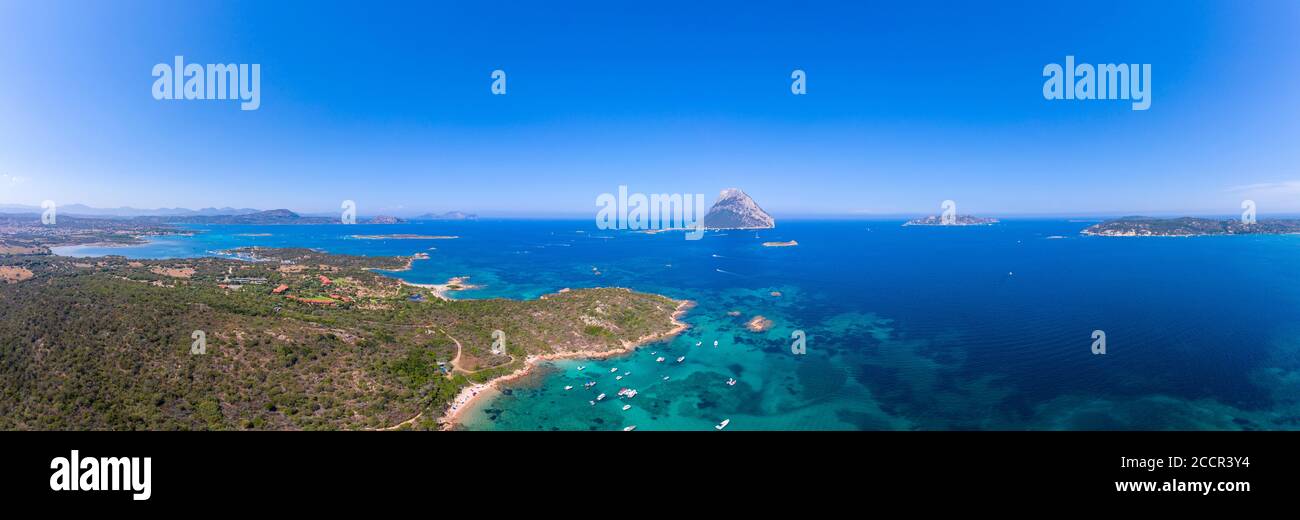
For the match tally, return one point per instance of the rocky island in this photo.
(1189, 226)
(735, 210)
(959, 220)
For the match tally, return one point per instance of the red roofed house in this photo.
(280, 289)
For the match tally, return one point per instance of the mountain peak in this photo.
(735, 210)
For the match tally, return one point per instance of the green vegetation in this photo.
(1190, 226)
(104, 343)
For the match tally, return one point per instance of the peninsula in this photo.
(290, 338)
(1189, 226)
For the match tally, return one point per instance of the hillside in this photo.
(105, 343)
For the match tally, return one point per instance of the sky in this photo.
(907, 104)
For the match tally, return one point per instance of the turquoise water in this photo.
(907, 328)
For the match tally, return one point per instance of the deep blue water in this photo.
(907, 327)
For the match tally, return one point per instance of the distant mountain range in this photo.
(221, 215)
(128, 212)
(450, 215)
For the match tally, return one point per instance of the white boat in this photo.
(582, 367)
(655, 352)
(722, 424)
(600, 397)
(568, 387)
(680, 359)
(731, 382)
(665, 378)
(715, 343)
(630, 393)
(698, 343)
(618, 378)
(627, 373)
(612, 370)
(659, 359)
(589, 384)
(629, 428)
(593, 403)
(626, 406)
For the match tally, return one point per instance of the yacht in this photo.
(722, 424)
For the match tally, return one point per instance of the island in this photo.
(1189, 226)
(959, 220)
(291, 339)
(405, 236)
(736, 210)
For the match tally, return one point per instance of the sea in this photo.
(875, 325)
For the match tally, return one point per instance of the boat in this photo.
(666, 378)
(659, 359)
(600, 397)
(626, 406)
(715, 343)
(627, 373)
(680, 359)
(731, 382)
(582, 367)
(722, 424)
(629, 428)
(655, 352)
(698, 343)
(612, 370)
(568, 387)
(630, 393)
(593, 403)
(618, 378)
(589, 384)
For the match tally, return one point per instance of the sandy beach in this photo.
(442, 290)
(470, 394)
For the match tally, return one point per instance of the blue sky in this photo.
(907, 105)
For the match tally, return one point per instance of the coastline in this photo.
(442, 290)
(471, 394)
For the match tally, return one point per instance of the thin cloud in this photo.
(1269, 188)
